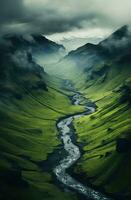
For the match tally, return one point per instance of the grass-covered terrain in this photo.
(106, 161)
(31, 103)
(102, 73)
(28, 135)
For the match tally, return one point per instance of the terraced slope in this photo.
(106, 161)
(102, 73)
(28, 136)
(106, 139)
(30, 104)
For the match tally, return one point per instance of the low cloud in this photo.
(119, 41)
(21, 59)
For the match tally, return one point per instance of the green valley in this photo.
(48, 120)
(28, 137)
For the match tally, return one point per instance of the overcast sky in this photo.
(64, 19)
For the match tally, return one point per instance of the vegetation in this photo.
(31, 106)
(105, 155)
(28, 136)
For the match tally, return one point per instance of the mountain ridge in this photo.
(108, 46)
(17, 58)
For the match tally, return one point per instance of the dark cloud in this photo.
(11, 11)
(54, 16)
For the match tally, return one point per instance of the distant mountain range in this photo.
(115, 46)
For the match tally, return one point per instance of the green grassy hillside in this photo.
(31, 102)
(106, 161)
(102, 73)
(28, 135)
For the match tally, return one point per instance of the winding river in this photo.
(73, 154)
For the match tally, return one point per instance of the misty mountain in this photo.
(103, 73)
(32, 102)
(109, 60)
(35, 42)
(44, 45)
(72, 43)
(116, 45)
(17, 64)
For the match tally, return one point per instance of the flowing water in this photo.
(73, 154)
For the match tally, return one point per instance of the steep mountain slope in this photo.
(106, 134)
(32, 101)
(47, 46)
(35, 42)
(40, 47)
(30, 104)
(17, 56)
(18, 73)
(111, 47)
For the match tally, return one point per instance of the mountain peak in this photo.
(118, 35)
(121, 32)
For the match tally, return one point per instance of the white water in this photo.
(73, 155)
